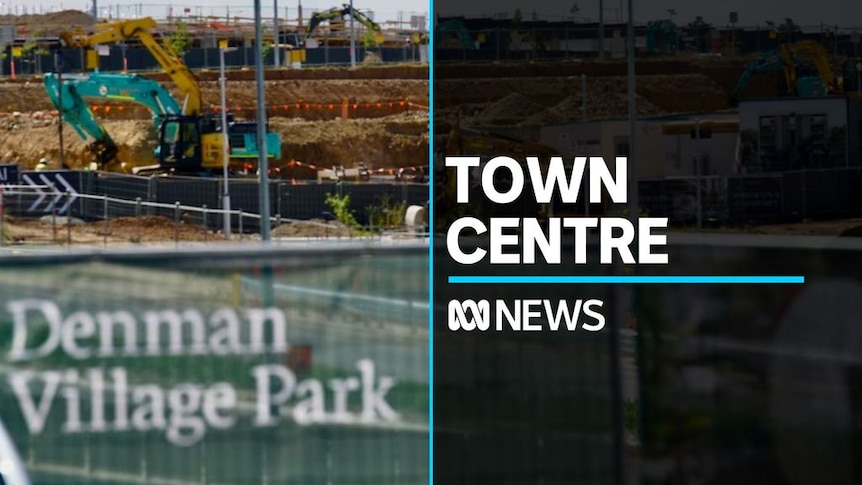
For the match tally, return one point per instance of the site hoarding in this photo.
(282, 366)
(752, 383)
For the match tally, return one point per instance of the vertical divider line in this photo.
(431, 243)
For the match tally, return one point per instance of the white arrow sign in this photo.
(42, 193)
(72, 193)
(61, 187)
(56, 197)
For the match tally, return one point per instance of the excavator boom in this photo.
(75, 111)
(114, 32)
(787, 58)
(339, 13)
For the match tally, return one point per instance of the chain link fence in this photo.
(67, 207)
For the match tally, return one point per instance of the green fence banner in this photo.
(273, 366)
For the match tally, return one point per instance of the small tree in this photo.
(180, 40)
(574, 11)
(701, 31)
(34, 50)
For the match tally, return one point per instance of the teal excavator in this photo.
(139, 90)
(120, 87)
(456, 27)
(794, 60)
(190, 142)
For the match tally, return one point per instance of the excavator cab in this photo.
(190, 144)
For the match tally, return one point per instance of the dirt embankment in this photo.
(394, 141)
(282, 95)
(558, 99)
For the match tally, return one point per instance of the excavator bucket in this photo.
(104, 152)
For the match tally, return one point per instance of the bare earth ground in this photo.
(147, 229)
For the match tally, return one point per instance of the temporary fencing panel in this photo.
(752, 383)
(227, 367)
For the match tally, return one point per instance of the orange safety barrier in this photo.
(316, 106)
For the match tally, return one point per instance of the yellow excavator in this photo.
(190, 142)
(791, 58)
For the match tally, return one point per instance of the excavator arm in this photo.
(114, 32)
(125, 87)
(362, 18)
(814, 53)
(339, 13)
(120, 87)
(75, 111)
(771, 61)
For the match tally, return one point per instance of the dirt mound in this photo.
(63, 19)
(313, 228)
(511, 109)
(393, 141)
(291, 98)
(571, 108)
(558, 99)
(25, 143)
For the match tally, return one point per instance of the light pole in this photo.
(697, 173)
(275, 36)
(859, 77)
(225, 139)
(262, 161)
(352, 38)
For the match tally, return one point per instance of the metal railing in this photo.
(208, 221)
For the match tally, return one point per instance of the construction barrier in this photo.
(293, 366)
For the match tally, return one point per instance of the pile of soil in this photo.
(571, 108)
(31, 95)
(607, 96)
(312, 228)
(392, 141)
(62, 20)
(25, 144)
(512, 109)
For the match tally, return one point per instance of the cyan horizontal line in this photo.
(627, 279)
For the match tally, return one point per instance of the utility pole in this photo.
(601, 29)
(275, 36)
(697, 173)
(58, 64)
(352, 38)
(263, 162)
(223, 47)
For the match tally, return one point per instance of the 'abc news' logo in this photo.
(525, 315)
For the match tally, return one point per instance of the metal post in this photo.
(68, 226)
(697, 172)
(105, 230)
(206, 224)
(138, 220)
(601, 30)
(225, 144)
(352, 38)
(275, 60)
(263, 163)
(177, 222)
(58, 64)
(584, 96)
